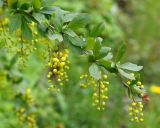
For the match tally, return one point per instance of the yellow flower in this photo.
(155, 89)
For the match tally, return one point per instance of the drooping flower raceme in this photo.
(100, 88)
(58, 65)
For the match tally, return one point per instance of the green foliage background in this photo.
(138, 24)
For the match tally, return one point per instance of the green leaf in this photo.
(16, 22)
(55, 37)
(99, 51)
(94, 71)
(90, 42)
(26, 31)
(69, 17)
(39, 17)
(28, 17)
(120, 52)
(36, 4)
(126, 75)
(58, 21)
(97, 47)
(79, 21)
(108, 57)
(130, 66)
(97, 30)
(73, 38)
(42, 29)
(48, 10)
(103, 52)
(76, 40)
(108, 65)
(105, 64)
(76, 49)
(69, 32)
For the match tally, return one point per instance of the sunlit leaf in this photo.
(130, 66)
(126, 75)
(94, 71)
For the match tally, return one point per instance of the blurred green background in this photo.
(136, 22)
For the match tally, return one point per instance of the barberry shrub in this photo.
(26, 25)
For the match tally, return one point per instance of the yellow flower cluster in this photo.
(100, 89)
(27, 118)
(87, 81)
(23, 113)
(28, 97)
(135, 111)
(31, 120)
(24, 49)
(139, 84)
(57, 69)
